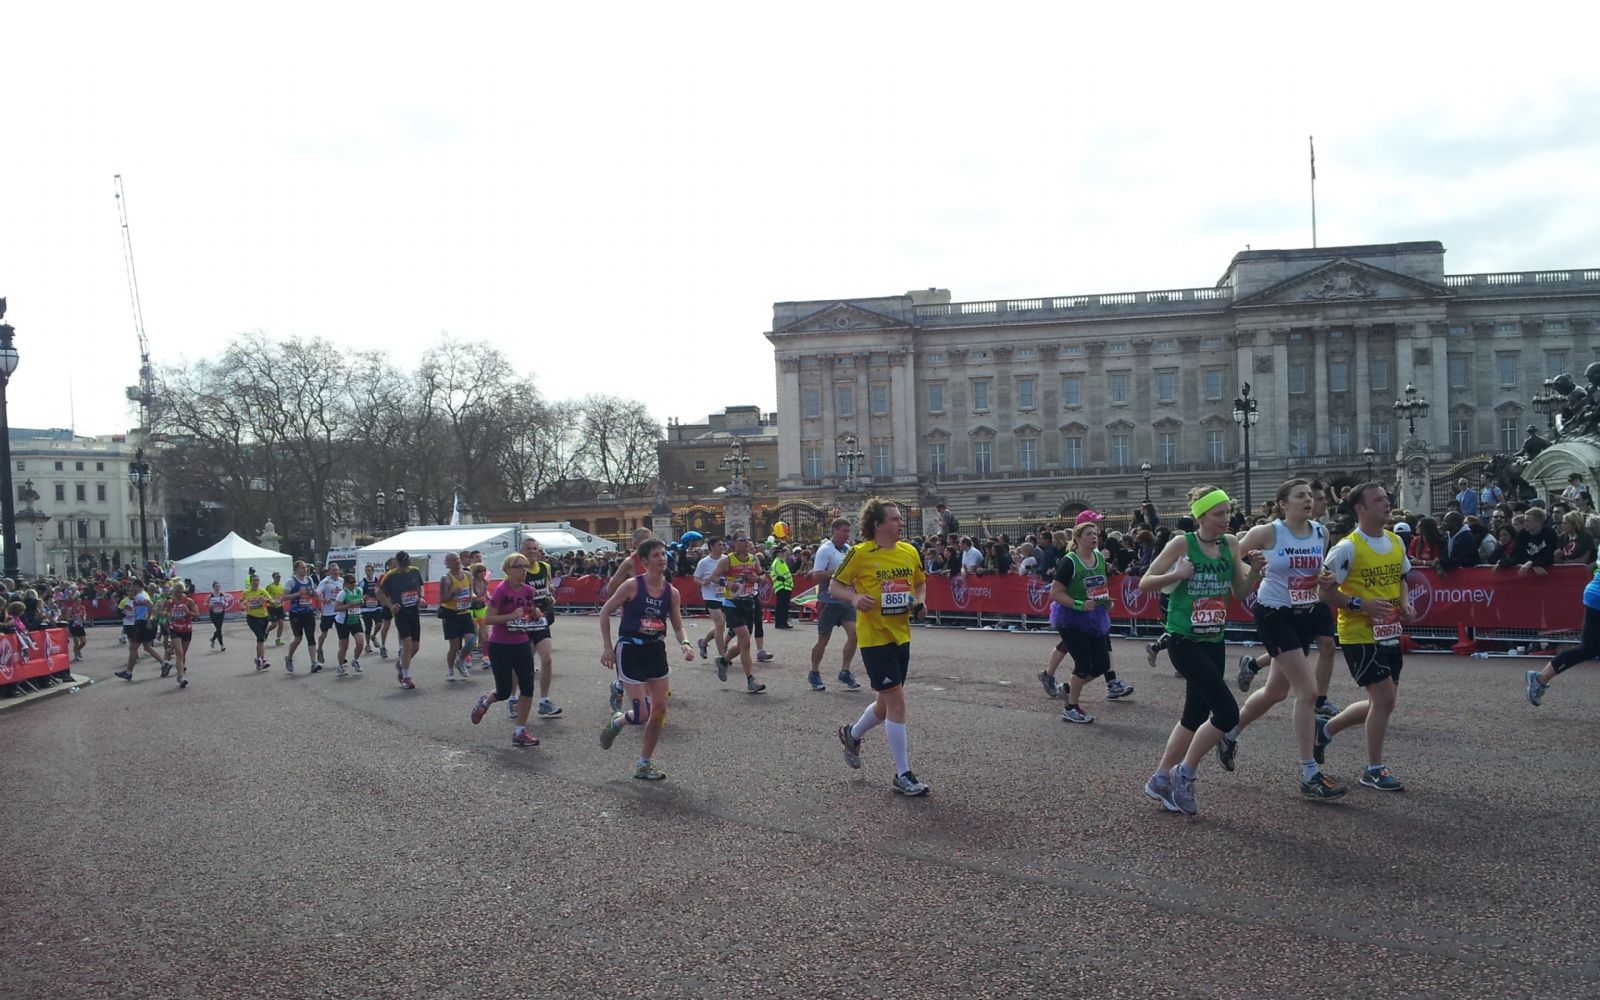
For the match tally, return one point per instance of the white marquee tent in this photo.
(229, 560)
(427, 544)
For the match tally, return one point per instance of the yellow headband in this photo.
(1205, 503)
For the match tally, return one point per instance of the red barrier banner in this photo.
(1475, 598)
(33, 654)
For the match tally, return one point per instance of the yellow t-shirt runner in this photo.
(459, 595)
(255, 602)
(890, 576)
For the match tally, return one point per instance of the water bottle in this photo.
(1480, 656)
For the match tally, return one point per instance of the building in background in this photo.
(1022, 407)
(691, 456)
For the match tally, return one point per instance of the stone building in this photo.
(1018, 407)
(691, 454)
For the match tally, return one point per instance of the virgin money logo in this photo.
(1038, 594)
(1135, 600)
(958, 589)
(1421, 594)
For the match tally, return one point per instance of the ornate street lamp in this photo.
(381, 499)
(8, 511)
(139, 475)
(1246, 413)
(737, 464)
(852, 457)
(1370, 455)
(1548, 403)
(1412, 407)
(1144, 469)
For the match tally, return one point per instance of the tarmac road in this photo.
(267, 835)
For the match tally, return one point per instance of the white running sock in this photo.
(895, 733)
(1308, 770)
(869, 721)
(1233, 734)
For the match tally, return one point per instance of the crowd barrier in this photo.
(31, 656)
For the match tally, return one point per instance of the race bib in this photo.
(408, 599)
(254, 603)
(895, 598)
(369, 602)
(1095, 587)
(652, 626)
(1302, 589)
(524, 625)
(1208, 614)
(1386, 629)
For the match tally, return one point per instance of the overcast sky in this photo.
(615, 194)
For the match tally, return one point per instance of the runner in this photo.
(1115, 688)
(374, 614)
(400, 591)
(1205, 567)
(77, 620)
(160, 596)
(1588, 647)
(297, 599)
(1080, 612)
(649, 602)
(742, 574)
(329, 589)
(1365, 582)
(510, 616)
(275, 612)
(1294, 546)
(138, 625)
(217, 607)
(257, 604)
(347, 606)
(542, 579)
(705, 574)
(1322, 629)
(834, 613)
(480, 612)
(883, 580)
(181, 613)
(455, 612)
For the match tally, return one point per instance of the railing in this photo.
(1200, 298)
(1497, 281)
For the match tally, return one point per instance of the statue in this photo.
(1533, 445)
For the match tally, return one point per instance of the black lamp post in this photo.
(737, 465)
(1548, 403)
(400, 507)
(139, 475)
(381, 499)
(8, 509)
(1246, 413)
(1412, 407)
(852, 456)
(1144, 469)
(1370, 455)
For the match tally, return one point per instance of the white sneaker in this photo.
(907, 784)
(1073, 713)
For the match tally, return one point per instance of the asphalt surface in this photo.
(267, 835)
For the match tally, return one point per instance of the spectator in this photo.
(971, 557)
(1536, 547)
(1573, 495)
(1027, 562)
(1461, 545)
(1578, 545)
(1151, 518)
(1050, 547)
(1466, 497)
(1491, 496)
(1427, 545)
(948, 525)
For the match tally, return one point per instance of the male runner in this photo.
(400, 591)
(833, 613)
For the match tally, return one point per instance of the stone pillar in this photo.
(1319, 387)
(1276, 436)
(901, 408)
(736, 512)
(269, 537)
(1439, 396)
(661, 526)
(830, 425)
(1415, 477)
(1363, 385)
(790, 419)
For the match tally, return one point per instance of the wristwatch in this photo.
(1355, 604)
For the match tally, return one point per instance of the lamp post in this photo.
(737, 465)
(8, 510)
(1370, 455)
(852, 456)
(400, 506)
(139, 475)
(1548, 403)
(1412, 407)
(1144, 469)
(1246, 413)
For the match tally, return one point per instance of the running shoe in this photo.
(482, 707)
(1326, 709)
(523, 738)
(1048, 679)
(166, 668)
(908, 785)
(357, 665)
(616, 696)
(317, 665)
(1072, 713)
(408, 684)
(224, 649)
(1118, 689)
(548, 709)
(1227, 750)
(852, 748)
(722, 668)
(848, 680)
(762, 656)
(511, 707)
(261, 664)
(648, 772)
(277, 642)
(288, 664)
(815, 680)
(1159, 787)
(126, 675)
(1247, 672)
(752, 685)
(450, 675)
(1536, 690)
(341, 671)
(1183, 792)
(1319, 746)
(1382, 779)
(701, 642)
(609, 731)
(400, 674)
(1322, 787)
(1151, 651)
(183, 682)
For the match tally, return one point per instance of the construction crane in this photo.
(145, 392)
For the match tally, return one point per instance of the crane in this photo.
(145, 392)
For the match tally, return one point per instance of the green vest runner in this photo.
(1082, 574)
(1198, 608)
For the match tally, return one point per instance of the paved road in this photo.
(264, 835)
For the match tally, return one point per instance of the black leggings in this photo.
(511, 661)
(1588, 647)
(1205, 691)
(216, 623)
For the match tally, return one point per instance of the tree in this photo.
(620, 438)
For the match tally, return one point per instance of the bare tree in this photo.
(620, 437)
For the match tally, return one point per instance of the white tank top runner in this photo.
(1292, 567)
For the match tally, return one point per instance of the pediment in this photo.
(1215, 420)
(937, 434)
(1344, 280)
(842, 317)
(1168, 421)
(1120, 424)
(1074, 427)
(1026, 428)
(982, 430)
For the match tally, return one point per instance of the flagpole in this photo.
(1312, 140)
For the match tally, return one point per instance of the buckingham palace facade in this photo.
(1015, 407)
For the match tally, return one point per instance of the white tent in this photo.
(229, 560)
(427, 545)
(557, 538)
